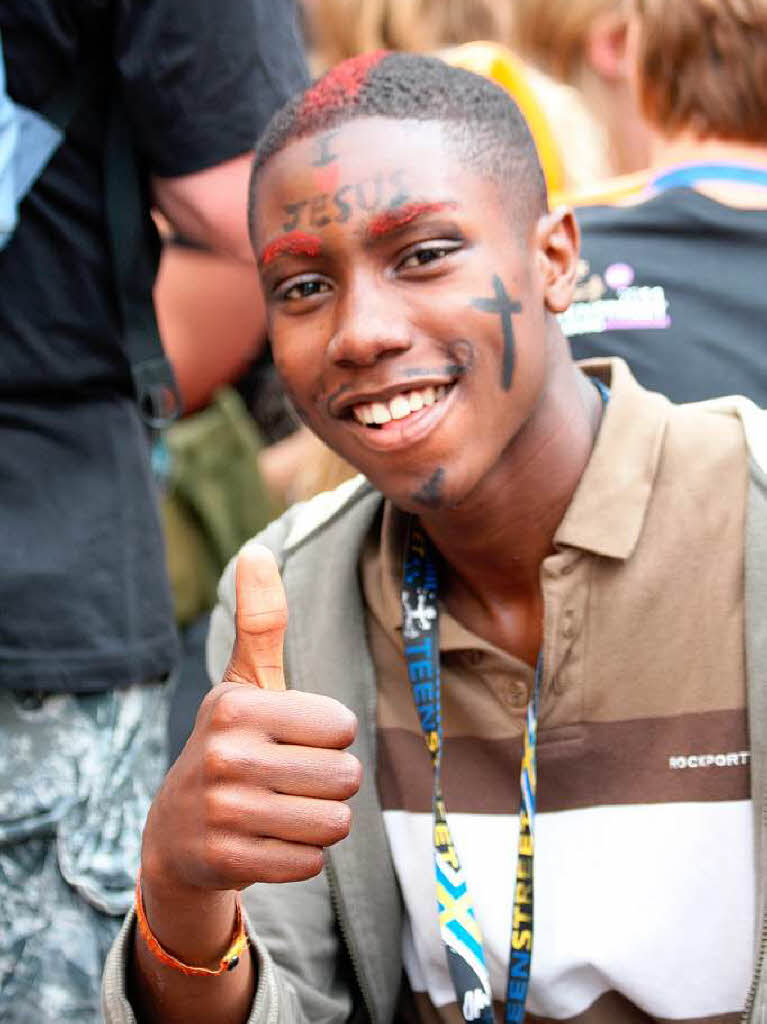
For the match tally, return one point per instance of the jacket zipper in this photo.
(335, 899)
(761, 955)
(746, 1018)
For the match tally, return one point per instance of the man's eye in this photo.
(303, 289)
(427, 254)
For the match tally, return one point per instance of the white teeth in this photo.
(399, 407)
(380, 413)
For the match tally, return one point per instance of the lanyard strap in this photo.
(690, 174)
(458, 925)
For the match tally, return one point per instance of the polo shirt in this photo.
(644, 870)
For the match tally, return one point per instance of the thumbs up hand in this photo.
(261, 786)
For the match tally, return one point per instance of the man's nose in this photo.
(371, 325)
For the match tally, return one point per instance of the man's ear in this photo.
(558, 242)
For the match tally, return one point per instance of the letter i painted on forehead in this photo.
(325, 173)
(504, 305)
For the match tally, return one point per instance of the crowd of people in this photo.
(383, 489)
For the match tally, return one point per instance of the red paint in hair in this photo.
(341, 83)
(391, 220)
(296, 243)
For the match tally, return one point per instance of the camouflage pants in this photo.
(77, 774)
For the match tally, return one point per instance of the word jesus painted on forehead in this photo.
(371, 195)
(504, 306)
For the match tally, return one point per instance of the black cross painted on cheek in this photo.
(504, 305)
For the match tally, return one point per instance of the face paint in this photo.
(504, 306)
(326, 171)
(296, 243)
(430, 494)
(461, 351)
(381, 192)
(400, 216)
(324, 155)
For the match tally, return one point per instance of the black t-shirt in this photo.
(84, 601)
(677, 286)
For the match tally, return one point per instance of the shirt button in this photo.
(516, 694)
(568, 629)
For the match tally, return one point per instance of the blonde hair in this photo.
(553, 33)
(344, 28)
(702, 67)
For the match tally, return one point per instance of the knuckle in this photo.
(226, 706)
(217, 762)
(263, 621)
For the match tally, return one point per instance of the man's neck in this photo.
(494, 543)
(685, 148)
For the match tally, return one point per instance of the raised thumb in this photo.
(260, 620)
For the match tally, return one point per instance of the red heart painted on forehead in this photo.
(325, 179)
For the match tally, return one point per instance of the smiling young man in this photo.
(561, 827)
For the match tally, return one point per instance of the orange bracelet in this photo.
(228, 961)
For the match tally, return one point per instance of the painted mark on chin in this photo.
(430, 493)
(504, 306)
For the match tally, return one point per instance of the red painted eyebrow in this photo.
(295, 243)
(392, 220)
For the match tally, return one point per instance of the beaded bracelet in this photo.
(228, 961)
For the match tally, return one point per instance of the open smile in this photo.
(400, 419)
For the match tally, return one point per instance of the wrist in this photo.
(193, 925)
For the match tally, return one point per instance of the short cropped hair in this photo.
(702, 67)
(553, 34)
(481, 119)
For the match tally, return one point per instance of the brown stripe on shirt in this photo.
(667, 760)
(608, 1009)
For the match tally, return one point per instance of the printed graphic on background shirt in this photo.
(613, 301)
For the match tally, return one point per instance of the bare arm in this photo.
(211, 315)
(210, 206)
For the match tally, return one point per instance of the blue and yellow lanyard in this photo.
(458, 925)
(688, 175)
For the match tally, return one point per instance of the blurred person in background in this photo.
(584, 44)
(338, 29)
(163, 104)
(672, 274)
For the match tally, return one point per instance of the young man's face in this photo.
(406, 307)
